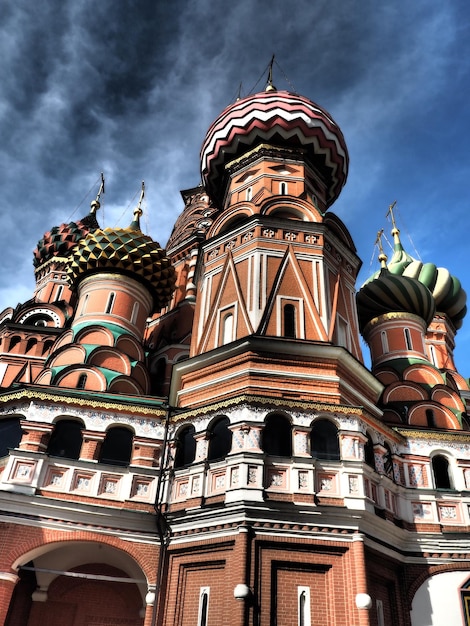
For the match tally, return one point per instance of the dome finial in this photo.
(395, 231)
(269, 85)
(135, 225)
(95, 204)
(382, 256)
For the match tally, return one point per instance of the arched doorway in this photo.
(78, 584)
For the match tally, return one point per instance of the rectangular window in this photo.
(303, 604)
(203, 606)
(380, 613)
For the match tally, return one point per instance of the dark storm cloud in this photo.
(130, 87)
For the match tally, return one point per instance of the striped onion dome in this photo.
(390, 293)
(278, 118)
(447, 291)
(60, 240)
(127, 251)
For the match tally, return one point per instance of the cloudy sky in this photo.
(129, 87)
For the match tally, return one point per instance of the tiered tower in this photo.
(191, 437)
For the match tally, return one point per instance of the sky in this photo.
(129, 88)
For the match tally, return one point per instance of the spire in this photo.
(400, 258)
(135, 224)
(382, 256)
(395, 231)
(269, 85)
(95, 204)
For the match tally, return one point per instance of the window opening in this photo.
(277, 436)
(14, 341)
(227, 329)
(81, 383)
(117, 446)
(289, 321)
(10, 434)
(432, 353)
(430, 419)
(324, 442)
(283, 188)
(380, 613)
(31, 344)
(303, 598)
(66, 439)
(220, 439)
(384, 338)
(369, 454)
(388, 461)
(58, 293)
(409, 345)
(185, 447)
(203, 606)
(249, 193)
(85, 302)
(440, 469)
(135, 312)
(110, 303)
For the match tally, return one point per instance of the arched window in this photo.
(369, 454)
(85, 302)
(81, 383)
(110, 303)
(135, 313)
(203, 606)
(408, 342)
(227, 328)
(249, 193)
(289, 321)
(10, 434)
(31, 344)
(14, 341)
(185, 446)
(283, 188)
(303, 594)
(324, 443)
(388, 461)
(441, 473)
(384, 338)
(277, 436)
(220, 439)
(430, 419)
(117, 446)
(432, 354)
(47, 346)
(66, 439)
(58, 293)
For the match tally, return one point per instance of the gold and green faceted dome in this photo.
(127, 251)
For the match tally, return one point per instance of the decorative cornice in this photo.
(133, 406)
(435, 436)
(264, 401)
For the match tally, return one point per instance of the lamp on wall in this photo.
(363, 601)
(242, 592)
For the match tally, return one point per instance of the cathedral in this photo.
(190, 436)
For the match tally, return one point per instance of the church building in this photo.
(190, 436)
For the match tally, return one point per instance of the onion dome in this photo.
(60, 240)
(195, 219)
(278, 118)
(447, 291)
(390, 293)
(127, 251)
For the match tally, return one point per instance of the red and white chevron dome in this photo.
(283, 118)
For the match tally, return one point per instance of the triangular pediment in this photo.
(228, 296)
(291, 286)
